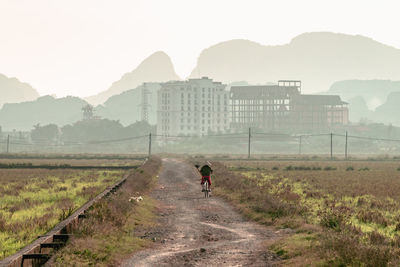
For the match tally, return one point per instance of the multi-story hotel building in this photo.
(192, 107)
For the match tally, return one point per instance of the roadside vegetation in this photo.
(115, 227)
(337, 213)
(32, 201)
(70, 162)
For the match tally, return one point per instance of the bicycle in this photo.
(206, 189)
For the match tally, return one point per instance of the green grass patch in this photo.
(34, 201)
(112, 229)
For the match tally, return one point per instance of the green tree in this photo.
(45, 134)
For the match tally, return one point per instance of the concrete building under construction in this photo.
(283, 107)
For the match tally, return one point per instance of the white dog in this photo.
(137, 199)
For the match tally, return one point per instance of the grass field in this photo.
(32, 201)
(342, 213)
(74, 162)
(114, 228)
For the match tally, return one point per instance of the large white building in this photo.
(192, 107)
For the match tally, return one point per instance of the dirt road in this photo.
(195, 231)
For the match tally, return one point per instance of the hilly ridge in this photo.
(318, 59)
(13, 91)
(156, 68)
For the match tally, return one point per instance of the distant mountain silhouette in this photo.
(317, 59)
(14, 91)
(374, 92)
(156, 68)
(44, 110)
(390, 110)
(126, 107)
(358, 109)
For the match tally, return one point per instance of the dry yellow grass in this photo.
(354, 204)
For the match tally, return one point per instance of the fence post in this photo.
(331, 146)
(248, 155)
(8, 143)
(346, 146)
(300, 144)
(149, 145)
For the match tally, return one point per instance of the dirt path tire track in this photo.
(190, 223)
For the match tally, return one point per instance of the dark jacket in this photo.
(206, 170)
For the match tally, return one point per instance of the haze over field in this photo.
(103, 52)
(81, 47)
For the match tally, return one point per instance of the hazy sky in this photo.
(79, 47)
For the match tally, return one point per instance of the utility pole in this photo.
(346, 146)
(248, 155)
(331, 146)
(8, 143)
(149, 145)
(300, 145)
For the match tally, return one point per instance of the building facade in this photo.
(264, 106)
(193, 107)
(319, 112)
(282, 107)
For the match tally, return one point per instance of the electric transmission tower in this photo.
(145, 103)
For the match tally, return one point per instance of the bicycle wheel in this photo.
(206, 189)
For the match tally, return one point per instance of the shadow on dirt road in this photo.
(195, 231)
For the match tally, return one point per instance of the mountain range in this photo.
(357, 68)
(44, 110)
(13, 91)
(317, 59)
(156, 68)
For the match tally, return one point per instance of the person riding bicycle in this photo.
(206, 172)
